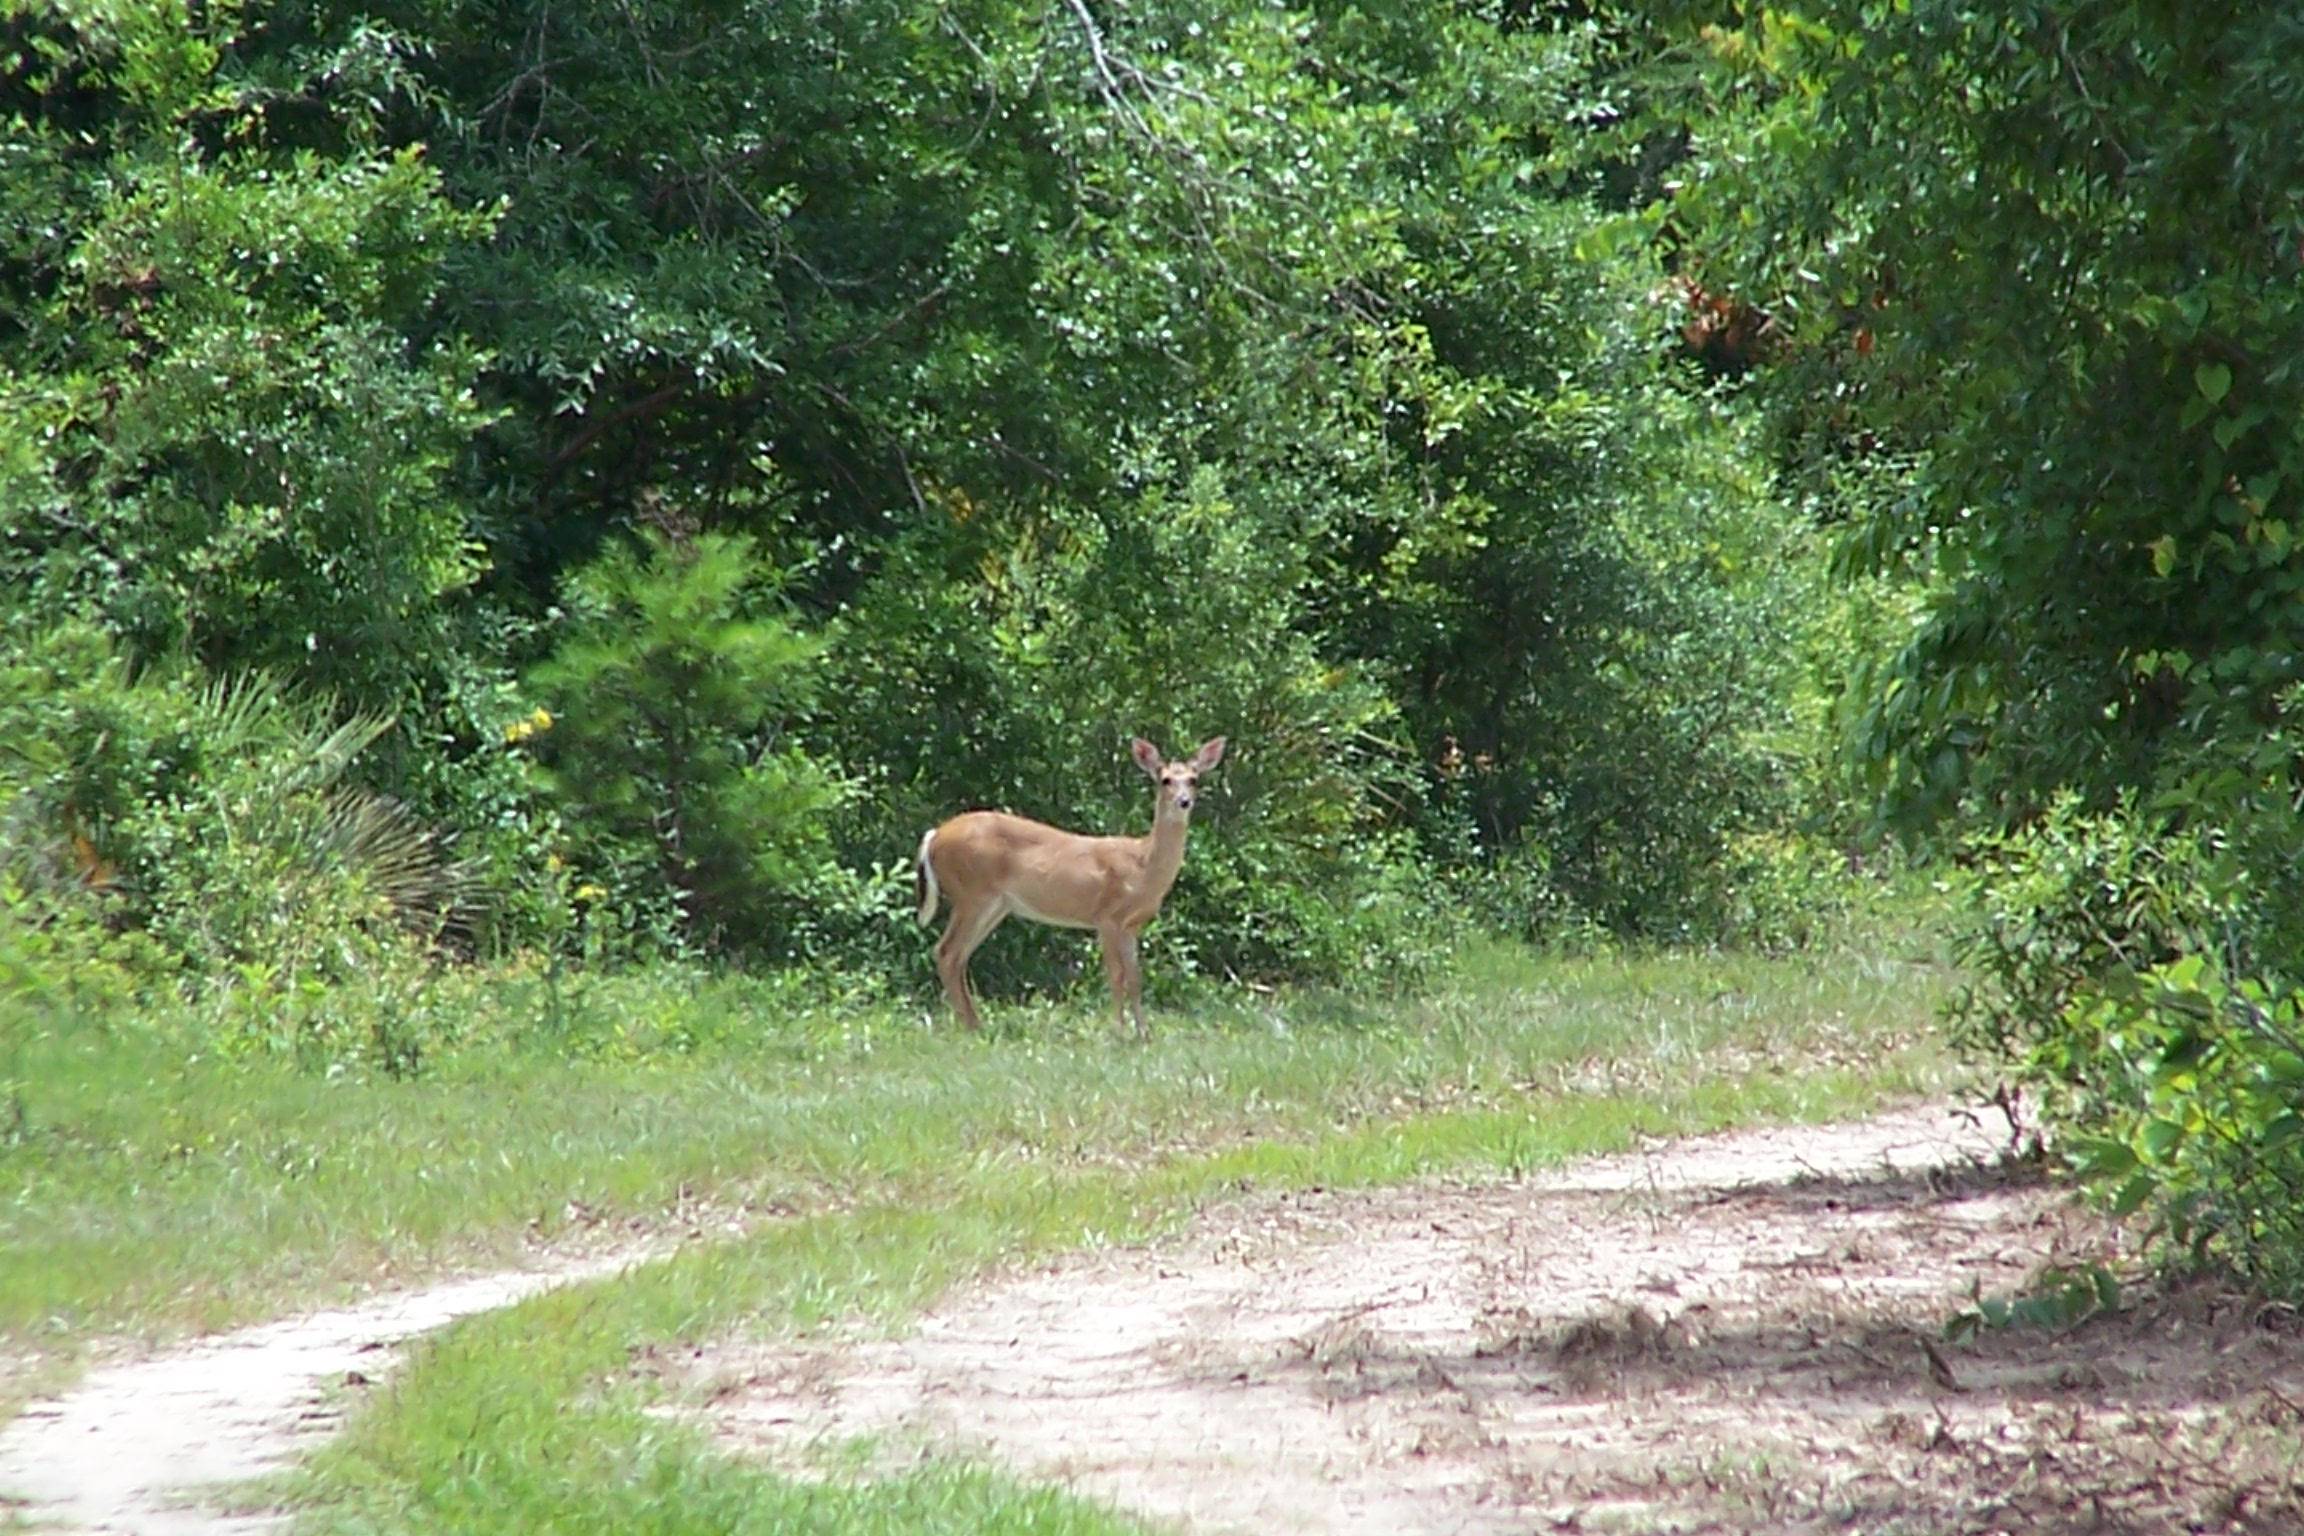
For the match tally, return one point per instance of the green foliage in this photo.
(2035, 284)
(2143, 977)
(1301, 250)
(56, 953)
(2059, 1297)
(231, 430)
(1012, 382)
(2021, 263)
(213, 822)
(2209, 1131)
(670, 752)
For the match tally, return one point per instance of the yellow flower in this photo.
(589, 892)
(554, 863)
(534, 723)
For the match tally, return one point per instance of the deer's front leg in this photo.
(1127, 978)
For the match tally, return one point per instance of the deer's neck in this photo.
(1164, 852)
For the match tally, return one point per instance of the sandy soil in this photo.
(139, 1446)
(1738, 1334)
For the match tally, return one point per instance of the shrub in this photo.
(215, 819)
(231, 427)
(668, 738)
(2135, 969)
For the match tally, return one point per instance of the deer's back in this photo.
(1042, 872)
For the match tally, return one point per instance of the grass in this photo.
(156, 1190)
(155, 1193)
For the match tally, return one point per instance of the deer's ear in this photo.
(1147, 756)
(1210, 754)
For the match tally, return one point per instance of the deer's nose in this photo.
(1183, 799)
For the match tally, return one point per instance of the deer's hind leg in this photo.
(969, 928)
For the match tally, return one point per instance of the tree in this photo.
(230, 431)
(2037, 268)
(953, 313)
(2030, 263)
(668, 741)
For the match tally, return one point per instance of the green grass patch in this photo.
(155, 1188)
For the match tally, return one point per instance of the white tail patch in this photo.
(928, 888)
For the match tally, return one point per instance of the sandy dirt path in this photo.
(139, 1447)
(1736, 1334)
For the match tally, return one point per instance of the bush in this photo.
(669, 745)
(215, 819)
(2135, 969)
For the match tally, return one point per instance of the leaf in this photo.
(2163, 554)
(2102, 1157)
(2214, 381)
(2158, 1138)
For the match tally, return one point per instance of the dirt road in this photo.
(139, 1447)
(1738, 1334)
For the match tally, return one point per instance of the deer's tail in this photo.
(929, 891)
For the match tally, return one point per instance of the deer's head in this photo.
(1179, 781)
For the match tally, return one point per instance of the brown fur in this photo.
(991, 865)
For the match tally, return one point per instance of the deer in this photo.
(990, 864)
